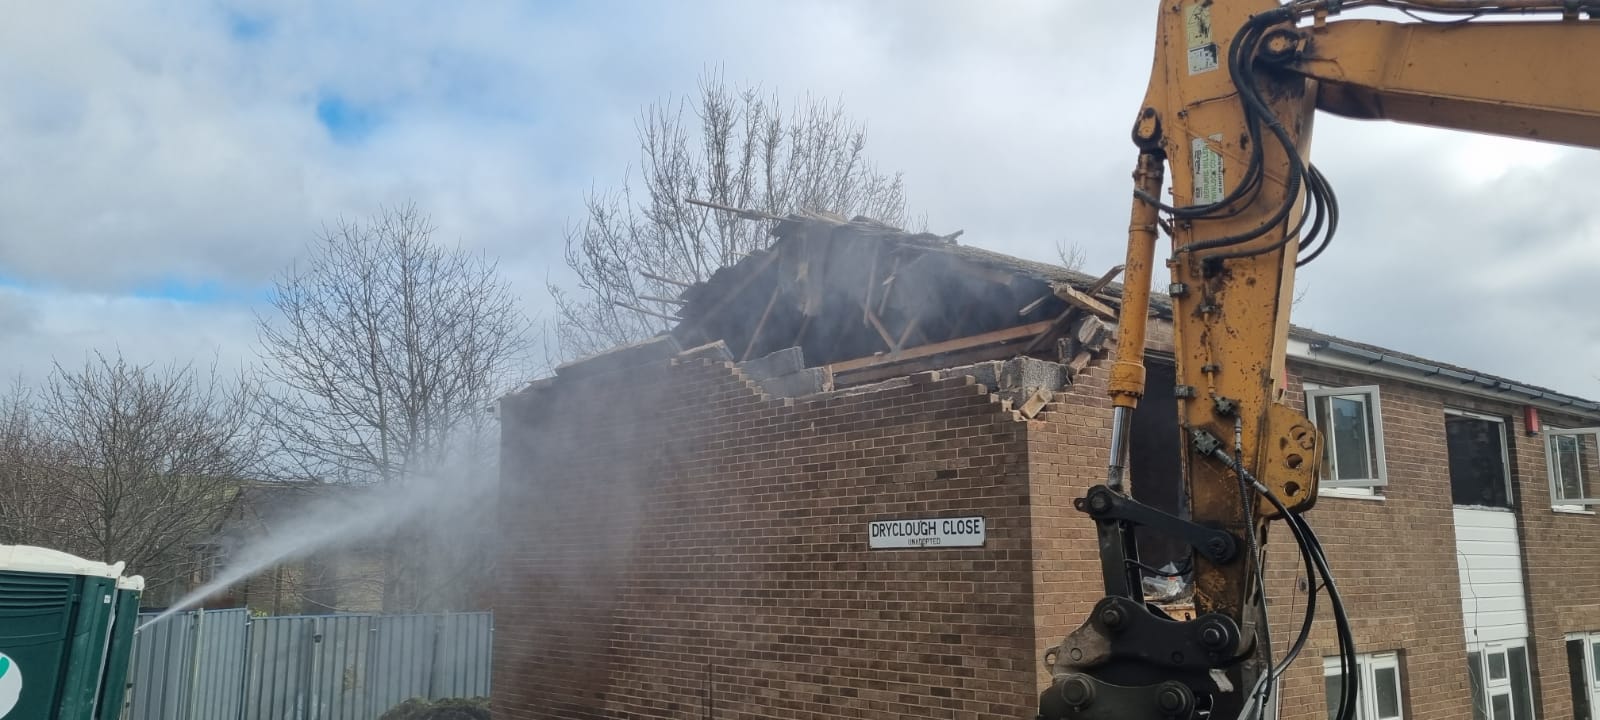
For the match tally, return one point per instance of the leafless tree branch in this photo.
(384, 356)
(733, 147)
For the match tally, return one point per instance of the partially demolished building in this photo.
(842, 487)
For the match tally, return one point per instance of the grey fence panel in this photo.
(221, 645)
(401, 647)
(163, 660)
(275, 686)
(223, 665)
(339, 667)
(461, 656)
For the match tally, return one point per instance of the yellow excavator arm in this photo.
(1227, 119)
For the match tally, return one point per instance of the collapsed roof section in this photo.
(835, 303)
(866, 302)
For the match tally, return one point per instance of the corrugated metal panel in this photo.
(1489, 561)
(162, 665)
(402, 653)
(223, 665)
(460, 667)
(221, 638)
(339, 666)
(275, 685)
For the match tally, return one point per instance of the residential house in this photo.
(688, 521)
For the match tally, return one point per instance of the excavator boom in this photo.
(1227, 119)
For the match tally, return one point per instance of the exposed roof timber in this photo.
(998, 336)
(667, 280)
(642, 311)
(1083, 300)
(908, 248)
(741, 212)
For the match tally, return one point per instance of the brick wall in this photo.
(1559, 560)
(1068, 446)
(1393, 559)
(680, 546)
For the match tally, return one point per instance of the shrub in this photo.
(445, 709)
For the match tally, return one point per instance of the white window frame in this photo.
(1367, 665)
(1505, 455)
(1552, 467)
(1373, 402)
(1502, 686)
(1591, 679)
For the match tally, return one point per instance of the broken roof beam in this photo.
(643, 311)
(755, 335)
(883, 332)
(1083, 300)
(667, 280)
(995, 337)
(1030, 307)
(741, 212)
(1055, 328)
(761, 264)
(1104, 280)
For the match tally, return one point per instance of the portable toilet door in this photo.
(55, 619)
(119, 649)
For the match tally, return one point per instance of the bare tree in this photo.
(136, 463)
(31, 511)
(1072, 255)
(639, 244)
(385, 353)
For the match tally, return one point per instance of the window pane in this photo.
(1497, 666)
(1477, 462)
(1475, 681)
(1333, 685)
(1352, 447)
(1580, 687)
(1324, 422)
(1386, 683)
(1521, 688)
(1569, 466)
(1596, 653)
(1501, 704)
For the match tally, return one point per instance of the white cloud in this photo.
(145, 142)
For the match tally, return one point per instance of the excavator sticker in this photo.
(1208, 176)
(10, 685)
(1202, 49)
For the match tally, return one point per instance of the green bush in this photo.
(446, 709)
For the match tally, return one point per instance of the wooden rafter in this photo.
(762, 323)
(872, 281)
(641, 310)
(906, 333)
(888, 283)
(1049, 333)
(921, 351)
(1030, 307)
(761, 266)
(1083, 300)
(883, 332)
(667, 280)
(1104, 280)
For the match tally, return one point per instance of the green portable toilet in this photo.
(56, 613)
(119, 648)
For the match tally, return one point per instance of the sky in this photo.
(162, 162)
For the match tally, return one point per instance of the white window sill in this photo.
(1571, 510)
(1349, 494)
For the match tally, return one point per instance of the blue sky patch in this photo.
(245, 28)
(346, 122)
